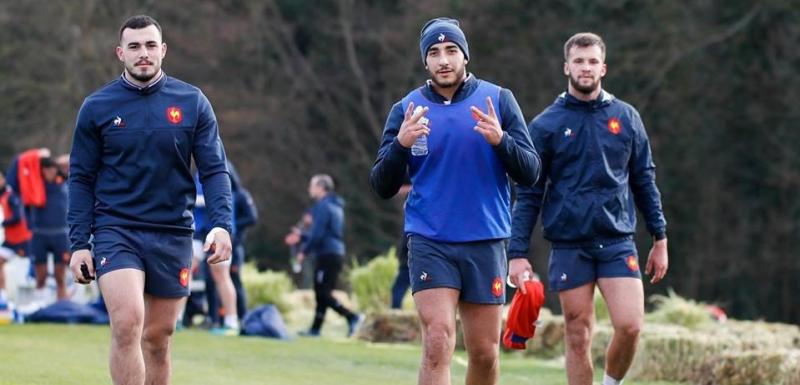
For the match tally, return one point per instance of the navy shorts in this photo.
(56, 243)
(476, 269)
(165, 258)
(22, 248)
(573, 265)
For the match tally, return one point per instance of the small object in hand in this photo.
(85, 272)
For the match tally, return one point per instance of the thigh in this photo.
(482, 266)
(437, 307)
(59, 246)
(481, 324)
(327, 271)
(578, 303)
(625, 299)
(39, 248)
(570, 268)
(618, 260)
(161, 314)
(168, 262)
(430, 266)
(122, 291)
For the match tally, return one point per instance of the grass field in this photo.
(39, 354)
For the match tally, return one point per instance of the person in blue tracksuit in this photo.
(131, 188)
(596, 168)
(459, 138)
(49, 227)
(326, 244)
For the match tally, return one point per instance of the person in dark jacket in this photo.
(132, 192)
(457, 215)
(596, 168)
(49, 227)
(326, 244)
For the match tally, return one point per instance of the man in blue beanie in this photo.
(457, 215)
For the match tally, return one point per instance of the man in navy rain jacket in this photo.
(596, 168)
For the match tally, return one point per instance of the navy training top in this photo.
(130, 164)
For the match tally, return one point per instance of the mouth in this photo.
(143, 64)
(444, 72)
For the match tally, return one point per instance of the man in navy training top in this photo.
(49, 227)
(131, 188)
(326, 244)
(457, 213)
(596, 168)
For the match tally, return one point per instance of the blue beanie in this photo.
(440, 30)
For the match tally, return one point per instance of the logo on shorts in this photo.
(632, 263)
(174, 115)
(569, 133)
(103, 261)
(497, 287)
(614, 126)
(118, 122)
(563, 277)
(424, 277)
(183, 277)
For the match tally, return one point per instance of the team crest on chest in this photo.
(614, 126)
(174, 115)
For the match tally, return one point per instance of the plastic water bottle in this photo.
(420, 146)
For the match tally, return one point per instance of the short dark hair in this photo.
(139, 22)
(584, 39)
(47, 163)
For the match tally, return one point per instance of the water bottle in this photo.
(420, 146)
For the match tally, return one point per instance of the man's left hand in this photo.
(488, 125)
(657, 261)
(219, 242)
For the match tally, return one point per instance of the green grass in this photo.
(33, 354)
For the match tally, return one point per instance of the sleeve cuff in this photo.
(660, 235)
(214, 231)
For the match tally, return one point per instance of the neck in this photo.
(448, 92)
(582, 96)
(141, 84)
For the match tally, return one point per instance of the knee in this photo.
(126, 331)
(484, 357)
(155, 339)
(629, 330)
(439, 343)
(578, 332)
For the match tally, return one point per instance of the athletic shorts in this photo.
(44, 243)
(476, 269)
(576, 264)
(165, 258)
(21, 249)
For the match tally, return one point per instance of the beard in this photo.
(459, 76)
(584, 89)
(143, 77)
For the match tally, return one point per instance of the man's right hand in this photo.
(519, 271)
(411, 128)
(80, 257)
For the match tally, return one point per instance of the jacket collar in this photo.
(153, 86)
(603, 100)
(464, 90)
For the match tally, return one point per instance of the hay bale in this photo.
(791, 368)
(742, 368)
(391, 326)
(672, 353)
